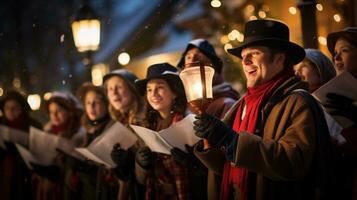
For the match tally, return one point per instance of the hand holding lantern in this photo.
(197, 80)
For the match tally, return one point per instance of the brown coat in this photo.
(279, 157)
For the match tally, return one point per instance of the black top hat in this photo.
(269, 33)
(160, 70)
(349, 33)
(206, 48)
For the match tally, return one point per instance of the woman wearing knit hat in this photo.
(13, 171)
(125, 106)
(316, 69)
(64, 112)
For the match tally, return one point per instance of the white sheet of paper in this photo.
(344, 84)
(20, 137)
(152, 139)
(4, 135)
(26, 155)
(99, 150)
(177, 135)
(43, 145)
(181, 133)
(13, 135)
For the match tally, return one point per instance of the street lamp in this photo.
(86, 32)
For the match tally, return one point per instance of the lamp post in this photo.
(86, 33)
(197, 80)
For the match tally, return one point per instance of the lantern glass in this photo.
(191, 79)
(86, 34)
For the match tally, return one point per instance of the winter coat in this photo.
(282, 156)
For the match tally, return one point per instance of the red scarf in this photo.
(18, 123)
(59, 129)
(253, 100)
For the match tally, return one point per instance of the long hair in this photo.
(178, 107)
(135, 108)
(98, 91)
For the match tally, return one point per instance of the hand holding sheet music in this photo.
(342, 85)
(177, 135)
(99, 150)
(13, 135)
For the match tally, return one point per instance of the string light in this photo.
(227, 46)
(233, 35)
(224, 39)
(292, 10)
(322, 40)
(250, 8)
(240, 38)
(337, 17)
(47, 96)
(262, 14)
(319, 7)
(216, 3)
(253, 17)
(124, 58)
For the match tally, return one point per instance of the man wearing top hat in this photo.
(274, 137)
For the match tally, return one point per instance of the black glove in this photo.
(144, 157)
(188, 160)
(120, 156)
(10, 147)
(124, 159)
(341, 106)
(51, 172)
(214, 130)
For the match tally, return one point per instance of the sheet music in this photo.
(152, 139)
(99, 150)
(344, 84)
(181, 133)
(13, 135)
(177, 135)
(26, 155)
(4, 135)
(43, 145)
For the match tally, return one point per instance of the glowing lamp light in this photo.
(197, 81)
(34, 101)
(197, 86)
(86, 30)
(86, 34)
(98, 72)
(124, 58)
(47, 96)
